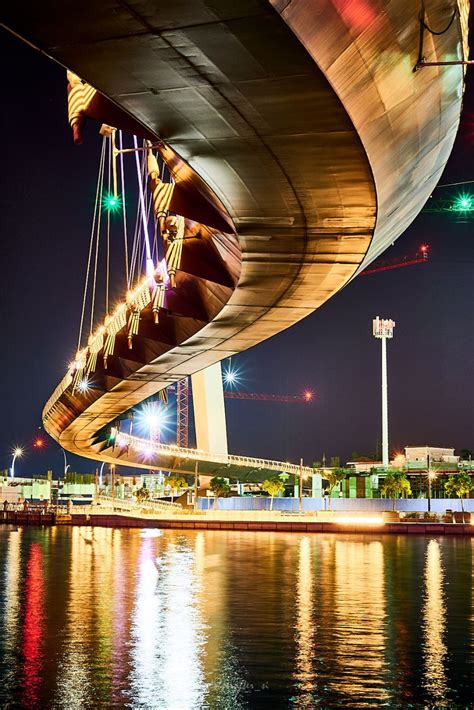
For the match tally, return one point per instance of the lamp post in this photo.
(431, 477)
(66, 465)
(300, 491)
(382, 329)
(17, 453)
(100, 473)
(112, 471)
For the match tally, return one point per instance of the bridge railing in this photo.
(153, 506)
(146, 446)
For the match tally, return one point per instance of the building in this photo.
(363, 465)
(424, 455)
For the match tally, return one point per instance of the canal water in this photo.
(101, 618)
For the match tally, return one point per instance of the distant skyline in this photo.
(46, 202)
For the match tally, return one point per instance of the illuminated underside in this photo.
(303, 117)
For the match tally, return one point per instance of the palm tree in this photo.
(459, 485)
(396, 483)
(333, 477)
(219, 487)
(273, 486)
(176, 483)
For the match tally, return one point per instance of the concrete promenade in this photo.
(251, 521)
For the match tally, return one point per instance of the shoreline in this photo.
(116, 520)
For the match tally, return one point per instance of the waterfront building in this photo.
(430, 454)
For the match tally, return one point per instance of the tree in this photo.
(396, 483)
(273, 487)
(335, 461)
(459, 484)
(220, 488)
(465, 454)
(176, 483)
(333, 477)
(142, 494)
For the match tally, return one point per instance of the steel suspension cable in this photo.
(142, 205)
(107, 248)
(124, 212)
(134, 248)
(94, 283)
(91, 243)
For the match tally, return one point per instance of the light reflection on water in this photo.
(118, 618)
(434, 617)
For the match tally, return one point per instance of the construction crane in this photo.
(304, 398)
(182, 405)
(460, 206)
(421, 257)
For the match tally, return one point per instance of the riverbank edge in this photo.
(122, 521)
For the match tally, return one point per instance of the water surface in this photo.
(172, 619)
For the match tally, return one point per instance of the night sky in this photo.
(46, 209)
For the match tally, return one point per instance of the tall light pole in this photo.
(382, 329)
(17, 453)
(100, 473)
(66, 465)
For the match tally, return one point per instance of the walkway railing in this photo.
(152, 506)
(147, 447)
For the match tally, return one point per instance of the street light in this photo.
(431, 477)
(100, 473)
(17, 453)
(382, 328)
(66, 465)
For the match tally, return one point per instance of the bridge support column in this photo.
(209, 410)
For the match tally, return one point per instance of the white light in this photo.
(121, 441)
(146, 450)
(152, 420)
(359, 520)
(232, 377)
(83, 385)
(18, 452)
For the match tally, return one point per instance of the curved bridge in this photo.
(299, 134)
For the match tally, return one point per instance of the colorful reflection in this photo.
(434, 627)
(167, 631)
(114, 618)
(33, 628)
(358, 618)
(305, 650)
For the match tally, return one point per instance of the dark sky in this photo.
(45, 216)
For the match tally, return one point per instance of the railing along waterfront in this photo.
(172, 450)
(152, 506)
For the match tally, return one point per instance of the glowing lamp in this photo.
(39, 443)
(152, 420)
(18, 452)
(111, 202)
(308, 395)
(83, 386)
(463, 203)
(232, 377)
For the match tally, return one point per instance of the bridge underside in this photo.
(306, 121)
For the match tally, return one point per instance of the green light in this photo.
(111, 202)
(463, 203)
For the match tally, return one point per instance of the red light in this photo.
(424, 247)
(308, 396)
(39, 443)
